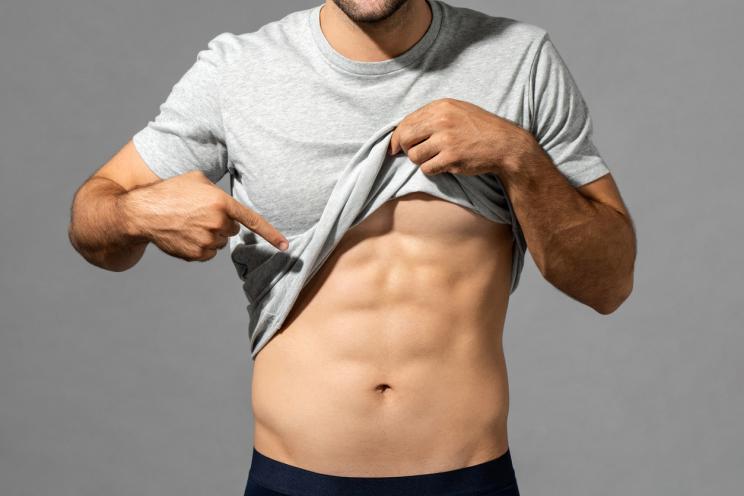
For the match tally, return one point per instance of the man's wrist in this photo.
(525, 154)
(132, 228)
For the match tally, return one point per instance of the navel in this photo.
(381, 388)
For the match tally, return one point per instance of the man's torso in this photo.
(391, 361)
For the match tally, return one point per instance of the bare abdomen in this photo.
(391, 362)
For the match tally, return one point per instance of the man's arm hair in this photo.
(101, 229)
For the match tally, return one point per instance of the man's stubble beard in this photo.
(353, 12)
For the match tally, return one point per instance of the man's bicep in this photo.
(128, 169)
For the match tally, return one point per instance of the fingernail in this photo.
(283, 245)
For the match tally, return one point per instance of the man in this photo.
(388, 375)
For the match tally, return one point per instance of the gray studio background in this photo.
(138, 383)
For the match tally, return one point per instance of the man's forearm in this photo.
(583, 247)
(99, 229)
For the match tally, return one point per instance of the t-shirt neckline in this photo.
(380, 67)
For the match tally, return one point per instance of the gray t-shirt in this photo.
(303, 132)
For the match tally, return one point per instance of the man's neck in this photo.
(378, 41)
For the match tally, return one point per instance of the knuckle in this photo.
(217, 202)
(215, 237)
(230, 228)
(447, 156)
(403, 136)
(252, 221)
(192, 254)
(206, 240)
(216, 222)
(206, 254)
(218, 241)
(413, 155)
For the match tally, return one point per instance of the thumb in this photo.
(393, 146)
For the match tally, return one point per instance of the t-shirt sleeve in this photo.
(561, 121)
(188, 132)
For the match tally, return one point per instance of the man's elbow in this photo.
(101, 257)
(614, 300)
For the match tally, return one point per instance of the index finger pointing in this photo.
(255, 222)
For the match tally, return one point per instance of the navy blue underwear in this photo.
(269, 477)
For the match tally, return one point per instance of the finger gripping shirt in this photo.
(303, 133)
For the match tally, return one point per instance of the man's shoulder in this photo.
(487, 27)
(273, 35)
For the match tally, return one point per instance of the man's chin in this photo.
(369, 11)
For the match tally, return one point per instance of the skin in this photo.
(391, 361)
(124, 206)
(582, 241)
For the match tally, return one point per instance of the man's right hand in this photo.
(189, 217)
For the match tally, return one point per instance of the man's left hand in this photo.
(449, 135)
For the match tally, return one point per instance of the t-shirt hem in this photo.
(580, 174)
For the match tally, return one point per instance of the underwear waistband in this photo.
(273, 474)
